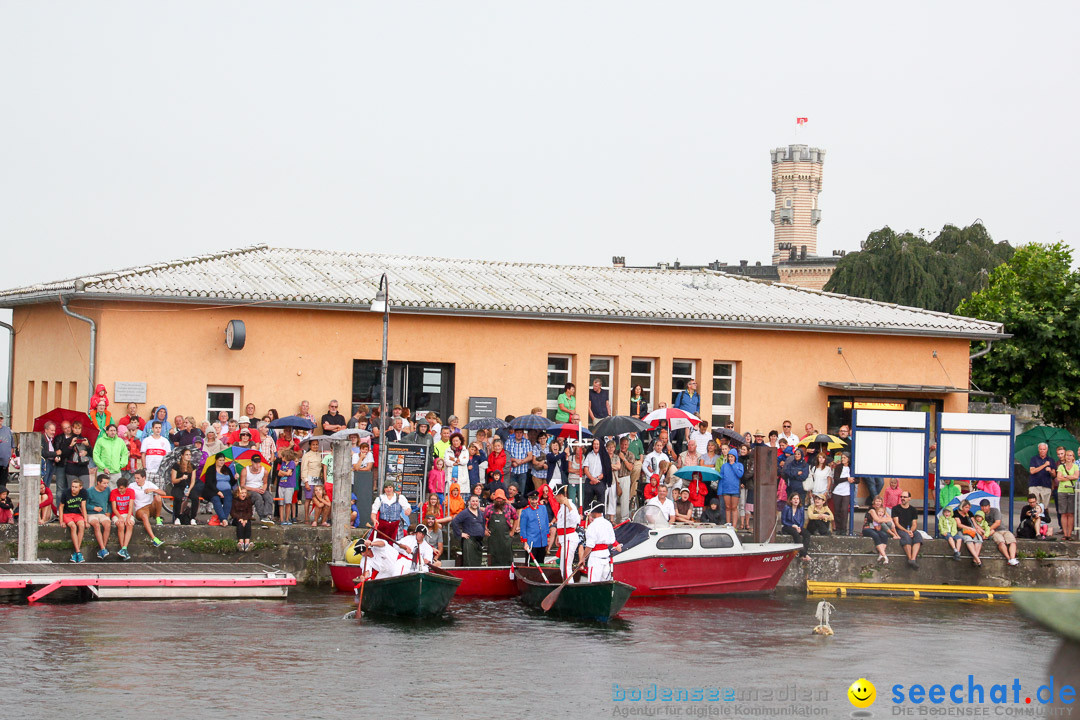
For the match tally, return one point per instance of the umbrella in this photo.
(675, 418)
(831, 442)
(1026, 445)
(491, 423)
(974, 497)
(729, 434)
(619, 425)
(530, 422)
(239, 455)
(567, 430)
(707, 471)
(59, 415)
(346, 434)
(292, 421)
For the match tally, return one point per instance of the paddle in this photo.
(363, 581)
(549, 601)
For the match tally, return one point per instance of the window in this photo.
(602, 369)
(220, 398)
(682, 372)
(679, 541)
(560, 368)
(641, 373)
(716, 540)
(723, 393)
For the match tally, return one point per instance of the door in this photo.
(421, 387)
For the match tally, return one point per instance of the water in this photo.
(300, 659)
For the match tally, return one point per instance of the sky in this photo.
(566, 132)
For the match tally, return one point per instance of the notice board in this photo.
(407, 467)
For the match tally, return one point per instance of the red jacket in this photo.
(497, 461)
(651, 489)
(698, 491)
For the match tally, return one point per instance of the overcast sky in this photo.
(566, 132)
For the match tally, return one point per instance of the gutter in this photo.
(10, 368)
(93, 337)
(989, 344)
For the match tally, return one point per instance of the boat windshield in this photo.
(630, 534)
(650, 515)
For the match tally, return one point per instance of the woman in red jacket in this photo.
(497, 458)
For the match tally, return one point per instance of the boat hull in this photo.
(730, 574)
(413, 595)
(475, 581)
(598, 601)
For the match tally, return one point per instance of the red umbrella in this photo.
(60, 415)
(675, 418)
(568, 430)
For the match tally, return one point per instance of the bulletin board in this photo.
(891, 443)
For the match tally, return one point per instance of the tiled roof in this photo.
(336, 279)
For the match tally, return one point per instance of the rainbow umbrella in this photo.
(239, 455)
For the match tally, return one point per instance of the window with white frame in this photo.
(602, 369)
(723, 393)
(641, 373)
(222, 397)
(682, 372)
(560, 369)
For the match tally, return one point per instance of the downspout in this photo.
(989, 344)
(10, 368)
(79, 285)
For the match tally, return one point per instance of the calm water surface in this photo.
(300, 659)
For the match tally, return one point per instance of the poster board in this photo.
(891, 443)
(406, 467)
(975, 446)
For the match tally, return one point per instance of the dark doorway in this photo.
(421, 387)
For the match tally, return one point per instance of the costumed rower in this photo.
(414, 552)
(535, 527)
(599, 542)
(469, 526)
(389, 513)
(379, 558)
(566, 525)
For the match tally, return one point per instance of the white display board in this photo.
(891, 443)
(975, 446)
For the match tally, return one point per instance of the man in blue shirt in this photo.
(599, 403)
(689, 400)
(1041, 471)
(534, 527)
(519, 450)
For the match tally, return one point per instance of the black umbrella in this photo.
(530, 422)
(729, 434)
(491, 423)
(292, 421)
(619, 425)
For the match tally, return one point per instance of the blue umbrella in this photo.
(974, 497)
(292, 421)
(530, 422)
(491, 423)
(707, 471)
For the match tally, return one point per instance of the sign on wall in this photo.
(482, 407)
(125, 392)
(406, 467)
(891, 443)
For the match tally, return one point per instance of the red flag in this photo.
(801, 121)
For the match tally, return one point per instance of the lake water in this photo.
(300, 659)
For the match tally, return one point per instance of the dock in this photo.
(920, 592)
(147, 581)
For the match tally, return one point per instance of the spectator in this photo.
(161, 415)
(789, 437)
(154, 448)
(311, 470)
(287, 473)
(1041, 472)
(359, 416)
(443, 443)
(711, 455)
(134, 447)
(639, 407)
(433, 508)
(599, 403)
(731, 473)
(820, 477)
(320, 507)
(992, 487)
(101, 417)
(688, 400)
(434, 536)
(1034, 520)
(519, 452)
(973, 538)
(698, 492)
(818, 516)
(243, 425)
(684, 509)
(456, 464)
(390, 513)
(661, 500)
(49, 443)
(256, 478)
(567, 403)
(1005, 540)
(746, 487)
(455, 503)
(891, 495)
(592, 467)
(46, 506)
(477, 461)
(454, 423)
(110, 452)
(6, 448)
(147, 503)
(843, 484)
(539, 466)
(73, 515)
(133, 415)
(396, 431)
(947, 492)
(468, 525)
(652, 488)
(796, 474)
(218, 489)
(701, 437)
(493, 483)
(7, 509)
(905, 518)
(878, 527)
(611, 469)
(287, 439)
(305, 411)
(436, 481)
(793, 523)
(240, 513)
(690, 457)
(121, 501)
(949, 529)
(659, 463)
(713, 512)
(421, 436)
(1065, 484)
(182, 476)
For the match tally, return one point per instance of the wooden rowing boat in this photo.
(413, 595)
(598, 601)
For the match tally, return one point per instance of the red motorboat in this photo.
(695, 559)
(475, 581)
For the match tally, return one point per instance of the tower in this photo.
(796, 182)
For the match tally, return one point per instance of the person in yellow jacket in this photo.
(949, 529)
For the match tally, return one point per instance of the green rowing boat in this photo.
(413, 595)
(598, 601)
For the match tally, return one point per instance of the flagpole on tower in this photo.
(799, 121)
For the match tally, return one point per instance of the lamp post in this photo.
(381, 304)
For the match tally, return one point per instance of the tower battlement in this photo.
(796, 182)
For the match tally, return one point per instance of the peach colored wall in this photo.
(307, 354)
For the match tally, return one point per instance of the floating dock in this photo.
(147, 581)
(919, 592)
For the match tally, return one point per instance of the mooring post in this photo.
(29, 487)
(764, 492)
(339, 514)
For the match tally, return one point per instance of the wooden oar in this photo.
(549, 601)
(363, 581)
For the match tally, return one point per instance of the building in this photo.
(509, 334)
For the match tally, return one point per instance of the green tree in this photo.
(907, 269)
(1036, 296)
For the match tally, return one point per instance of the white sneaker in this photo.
(1014, 561)
(176, 521)
(193, 522)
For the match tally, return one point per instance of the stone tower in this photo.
(796, 182)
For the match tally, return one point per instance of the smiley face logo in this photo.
(862, 693)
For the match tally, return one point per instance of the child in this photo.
(354, 513)
(320, 506)
(46, 506)
(287, 484)
(242, 506)
(947, 528)
(73, 515)
(698, 492)
(892, 494)
(311, 474)
(6, 508)
(122, 502)
(436, 480)
(1042, 530)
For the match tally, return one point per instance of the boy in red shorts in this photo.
(122, 500)
(73, 515)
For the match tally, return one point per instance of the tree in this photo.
(1036, 296)
(906, 269)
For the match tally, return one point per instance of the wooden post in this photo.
(29, 487)
(339, 512)
(764, 492)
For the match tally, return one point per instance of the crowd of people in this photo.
(140, 470)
